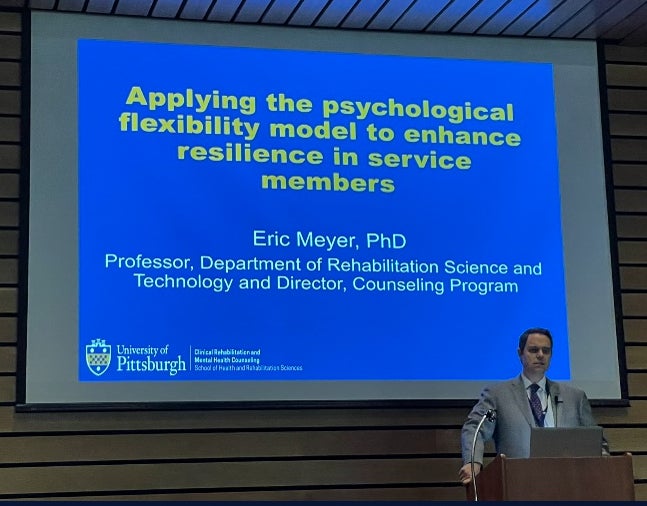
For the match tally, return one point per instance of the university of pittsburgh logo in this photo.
(97, 356)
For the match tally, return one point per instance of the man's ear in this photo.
(519, 352)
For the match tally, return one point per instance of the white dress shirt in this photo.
(549, 420)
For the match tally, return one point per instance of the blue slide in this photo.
(269, 214)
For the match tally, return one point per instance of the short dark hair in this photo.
(538, 330)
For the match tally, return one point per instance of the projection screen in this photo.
(240, 214)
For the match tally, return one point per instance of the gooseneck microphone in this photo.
(490, 416)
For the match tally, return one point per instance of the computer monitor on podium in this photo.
(566, 441)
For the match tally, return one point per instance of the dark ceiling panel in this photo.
(42, 4)
(611, 18)
(638, 37)
(485, 10)
(532, 17)
(308, 11)
(224, 10)
(100, 6)
(585, 18)
(558, 17)
(166, 8)
(195, 9)
(360, 16)
(335, 13)
(451, 15)
(71, 5)
(252, 10)
(419, 15)
(280, 12)
(389, 14)
(505, 17)
(628, 25)
(140, 8)
(620, 21)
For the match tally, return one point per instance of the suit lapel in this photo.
(521, 398)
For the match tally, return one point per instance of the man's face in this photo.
(536, 355)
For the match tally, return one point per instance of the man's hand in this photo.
(465, 472)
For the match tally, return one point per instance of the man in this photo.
(558, 405)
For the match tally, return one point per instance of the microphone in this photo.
(490, 416)
(556, 396)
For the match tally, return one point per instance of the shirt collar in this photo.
(541, 382)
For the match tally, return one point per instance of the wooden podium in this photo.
(556, 479)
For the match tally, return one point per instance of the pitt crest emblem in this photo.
(97, 356)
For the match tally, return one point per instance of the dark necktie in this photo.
(535, 405)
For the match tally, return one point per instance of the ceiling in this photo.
(620, 21)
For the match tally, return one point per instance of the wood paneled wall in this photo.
(333, 454)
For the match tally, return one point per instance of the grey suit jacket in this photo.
(511, 429)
